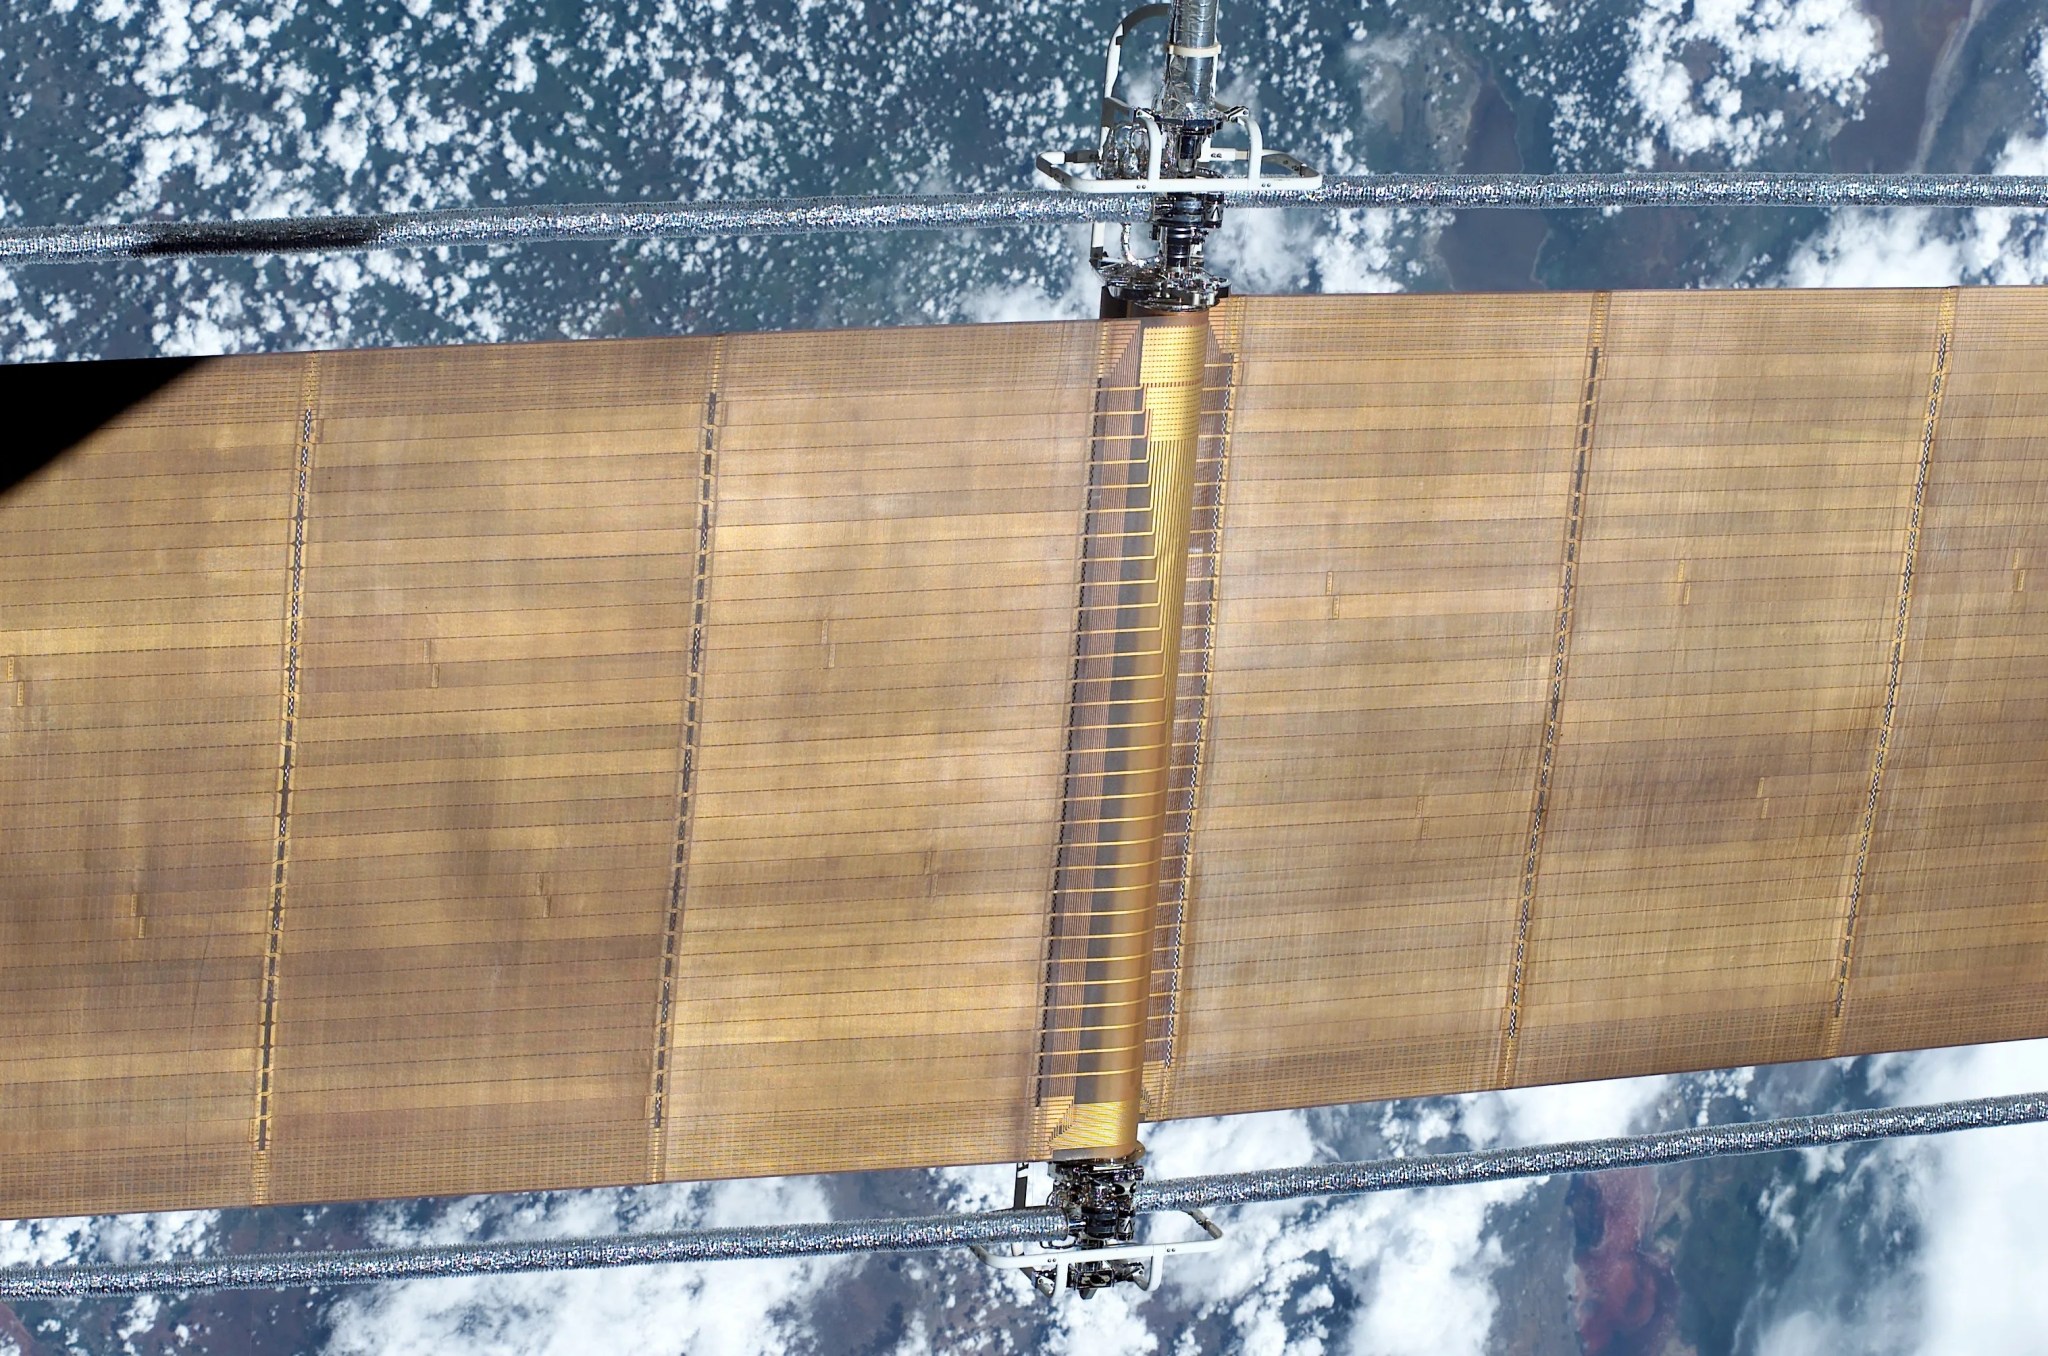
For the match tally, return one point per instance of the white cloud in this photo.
(1019, 298)
(1926, 248)
(141, 1317)
(1953, 1258)
(1270, 1139)
(1826, 48)
(520, 71)
(1565, 1111)
(1876, 249)
(1422, 1263)
(1277, 251)
(111, 1238)
(1983, 1261)
(1111, 1323)
(719, 1309)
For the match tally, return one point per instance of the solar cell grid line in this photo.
(266, 1053)
(659, 1112)
(1688, 911)
(497, 557)
(1887, 726)
(1559, 674)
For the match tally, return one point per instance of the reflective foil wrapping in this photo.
(274, 1270)
(802, 216)
(1592, 1155)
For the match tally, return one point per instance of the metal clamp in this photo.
(1171, 152)
(1057, 1268)
(1265, 171)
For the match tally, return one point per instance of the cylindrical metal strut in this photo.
(1189, 87)
(1592, 1155)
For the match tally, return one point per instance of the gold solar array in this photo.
(494, 627)
(874, 812)
(576, 764)
(1399, 478)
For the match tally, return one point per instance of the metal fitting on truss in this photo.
(1171, 149)
(1099, 1197)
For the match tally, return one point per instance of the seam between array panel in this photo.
(659, 1110)
(301, 480)
(1560, 657)
(1852, 905)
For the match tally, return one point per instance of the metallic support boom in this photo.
(1594, 1155)
(549, 222)
(1051, 1223)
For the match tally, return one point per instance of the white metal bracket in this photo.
(1112, 167)
(1266, 171)
(1050, 1265)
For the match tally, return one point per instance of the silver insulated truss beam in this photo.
(804, 216)
(1037, 1225)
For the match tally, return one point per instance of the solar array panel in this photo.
(436, 771)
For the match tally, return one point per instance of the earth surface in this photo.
(187, 109)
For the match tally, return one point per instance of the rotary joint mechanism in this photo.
(1172, 150)
(1099, 1198)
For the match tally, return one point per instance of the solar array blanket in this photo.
(493, 768)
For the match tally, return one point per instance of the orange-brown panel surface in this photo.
(874, 811)
(1395, 496)
(514, 767)
(1661, 861)
(1752, 468)
(143, 587)
(1951, 939)
(497, 605)
(477, 651)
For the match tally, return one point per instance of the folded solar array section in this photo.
(578, 764)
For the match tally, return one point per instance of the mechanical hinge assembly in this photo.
(1099, 1199)
(1171, 150)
